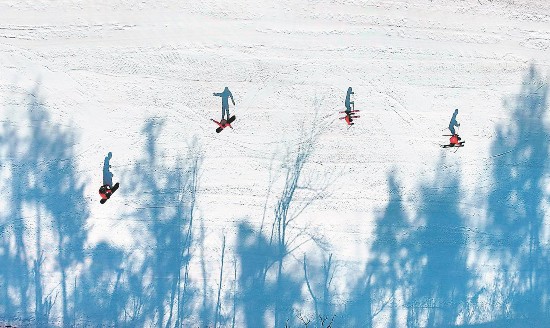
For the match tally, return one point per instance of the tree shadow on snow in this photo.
(439, 294)
(101, 291)
(49, 279)
(270, 282)
(165, 199)
(44, 225)
(386, 277)
(417, 276)
(517, 211)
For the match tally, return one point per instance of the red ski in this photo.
(224, 123)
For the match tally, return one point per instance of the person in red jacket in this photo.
(105, 192)
(455, 140)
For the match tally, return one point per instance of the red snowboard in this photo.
(224, 123)
(109, 192)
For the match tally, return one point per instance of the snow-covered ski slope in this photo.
(291, 219)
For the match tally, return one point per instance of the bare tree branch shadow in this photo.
(266, 287)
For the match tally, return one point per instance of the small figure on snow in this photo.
(453, 122)
(350, 111)
(454, 141)
(226, 119)
(226, 94)
(107, 189)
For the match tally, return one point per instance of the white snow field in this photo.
(291, 218)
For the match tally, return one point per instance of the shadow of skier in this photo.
(107, 174)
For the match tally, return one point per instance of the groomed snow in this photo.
(291, 218)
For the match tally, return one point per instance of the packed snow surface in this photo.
(291, 218)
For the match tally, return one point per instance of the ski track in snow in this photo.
(81, 79)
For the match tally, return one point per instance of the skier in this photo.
(453, 123)
(226, 94)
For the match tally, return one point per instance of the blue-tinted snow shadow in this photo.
(348, 103)
(107, 174)
(256, 257)
(225, 96)
(102, 293)
(384, 276)
(418, 270)
(516, 207)
(419, 267)
(422, 260)
(441, 275)
(44, 178)
(118, 290)
(453, 122)
(110, 290)
(165, 198)
(267, 288)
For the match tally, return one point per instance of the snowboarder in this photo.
(226, 94)
(454, 123)
(107, 189)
